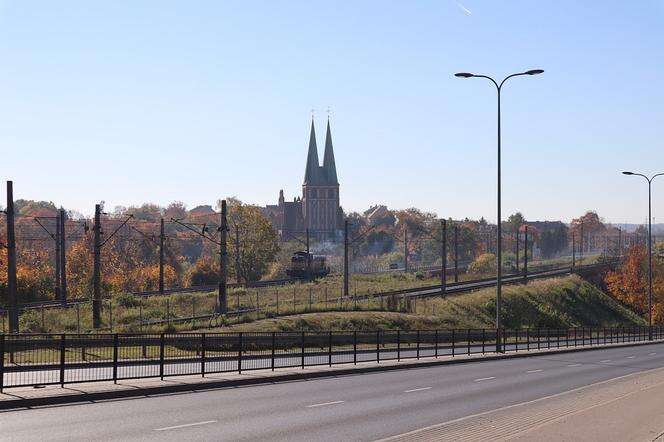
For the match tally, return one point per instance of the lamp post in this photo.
(649, 180)
(499, 87)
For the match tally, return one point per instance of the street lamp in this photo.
(649, 180)
(499, 253)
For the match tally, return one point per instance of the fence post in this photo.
(329, 349)
(239, 353)
(399, 345)
(418, 344)
(161, 356)
(355, 347)
(468, 340)
(483, 340)
(272, 353)
(453, 345)
(377, 345)
(62, 360)
(115, 358)
(2, 360)
(528, 339)
(202, 354)
(539, 338)
(436, 344)
(276, 292)
(303, 349)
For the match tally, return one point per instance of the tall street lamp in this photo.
(499, 87)
(649, 180)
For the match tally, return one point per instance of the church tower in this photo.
(320, 190)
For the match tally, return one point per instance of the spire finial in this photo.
(312, 114)
(329, 112)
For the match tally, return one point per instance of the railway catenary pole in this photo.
(58, 256)
(456, 253)
(223, 261)
(443, 255)
(11, 260)
(499, 263)
(308, 255)
(346, 270)
(525, 253)
(237, 254)
(96, 271)
(517, 249)
(405, 249)
(63, 256)
(161, 256)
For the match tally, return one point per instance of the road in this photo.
(357, 407)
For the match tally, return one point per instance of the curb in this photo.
(179, 388)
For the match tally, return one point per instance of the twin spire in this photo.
(315, 174)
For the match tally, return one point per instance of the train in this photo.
(308, 266)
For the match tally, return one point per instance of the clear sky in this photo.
(134, 101)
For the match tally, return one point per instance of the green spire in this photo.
(311, 173)
(329, 167)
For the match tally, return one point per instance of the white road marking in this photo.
(485, 379)
(605, 360)
(652, 354)
(534, 371)
(574, 365)
(417, 389)
(324, 404)
(631, 357)
(193, 424)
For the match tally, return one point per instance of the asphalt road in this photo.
(357, 407)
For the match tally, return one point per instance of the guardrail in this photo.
(46, 359)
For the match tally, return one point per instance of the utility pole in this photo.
(223, 262)
(525, 255)
(443, 253)
(58, 256)
(456, 253)
(573, 251)
(581, 246)
(237, 254)
(161, 256)
(11, 260)
(96, 273)
(517, 249)
(308, 255)
(405, 249)
(345, 294)
(619, 242)
(63, 257)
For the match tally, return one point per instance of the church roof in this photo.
(315, 174)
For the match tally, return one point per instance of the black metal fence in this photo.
(47, 359)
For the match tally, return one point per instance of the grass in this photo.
(128, 313)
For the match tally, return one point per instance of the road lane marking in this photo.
(193, 424)
(604, 361)
(485, 379)
(534, 371)
(652, 354)
(417, 389)
(574, 365)
(631, 357)
(324, 404)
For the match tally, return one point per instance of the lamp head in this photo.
(628, 173)
(464, 75)
(534, 72)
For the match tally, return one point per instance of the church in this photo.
(318, 208)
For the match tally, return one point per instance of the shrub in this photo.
(483, 264)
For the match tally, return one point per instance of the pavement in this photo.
(384, 404)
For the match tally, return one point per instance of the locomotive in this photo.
(307, 265)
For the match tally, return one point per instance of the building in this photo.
(318, 209)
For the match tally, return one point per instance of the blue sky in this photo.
(133, 101)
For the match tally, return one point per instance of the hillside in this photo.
(558, 302)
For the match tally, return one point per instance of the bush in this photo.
(485, 263)
(127, 300)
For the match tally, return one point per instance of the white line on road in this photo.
(417, 389)
(574, 365)
(324, 404)
(485, 379)
(534, 371)
(631, 357)
(652, 354)
(605, 360)
(175, 427)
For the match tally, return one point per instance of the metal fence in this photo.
(46, 359)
